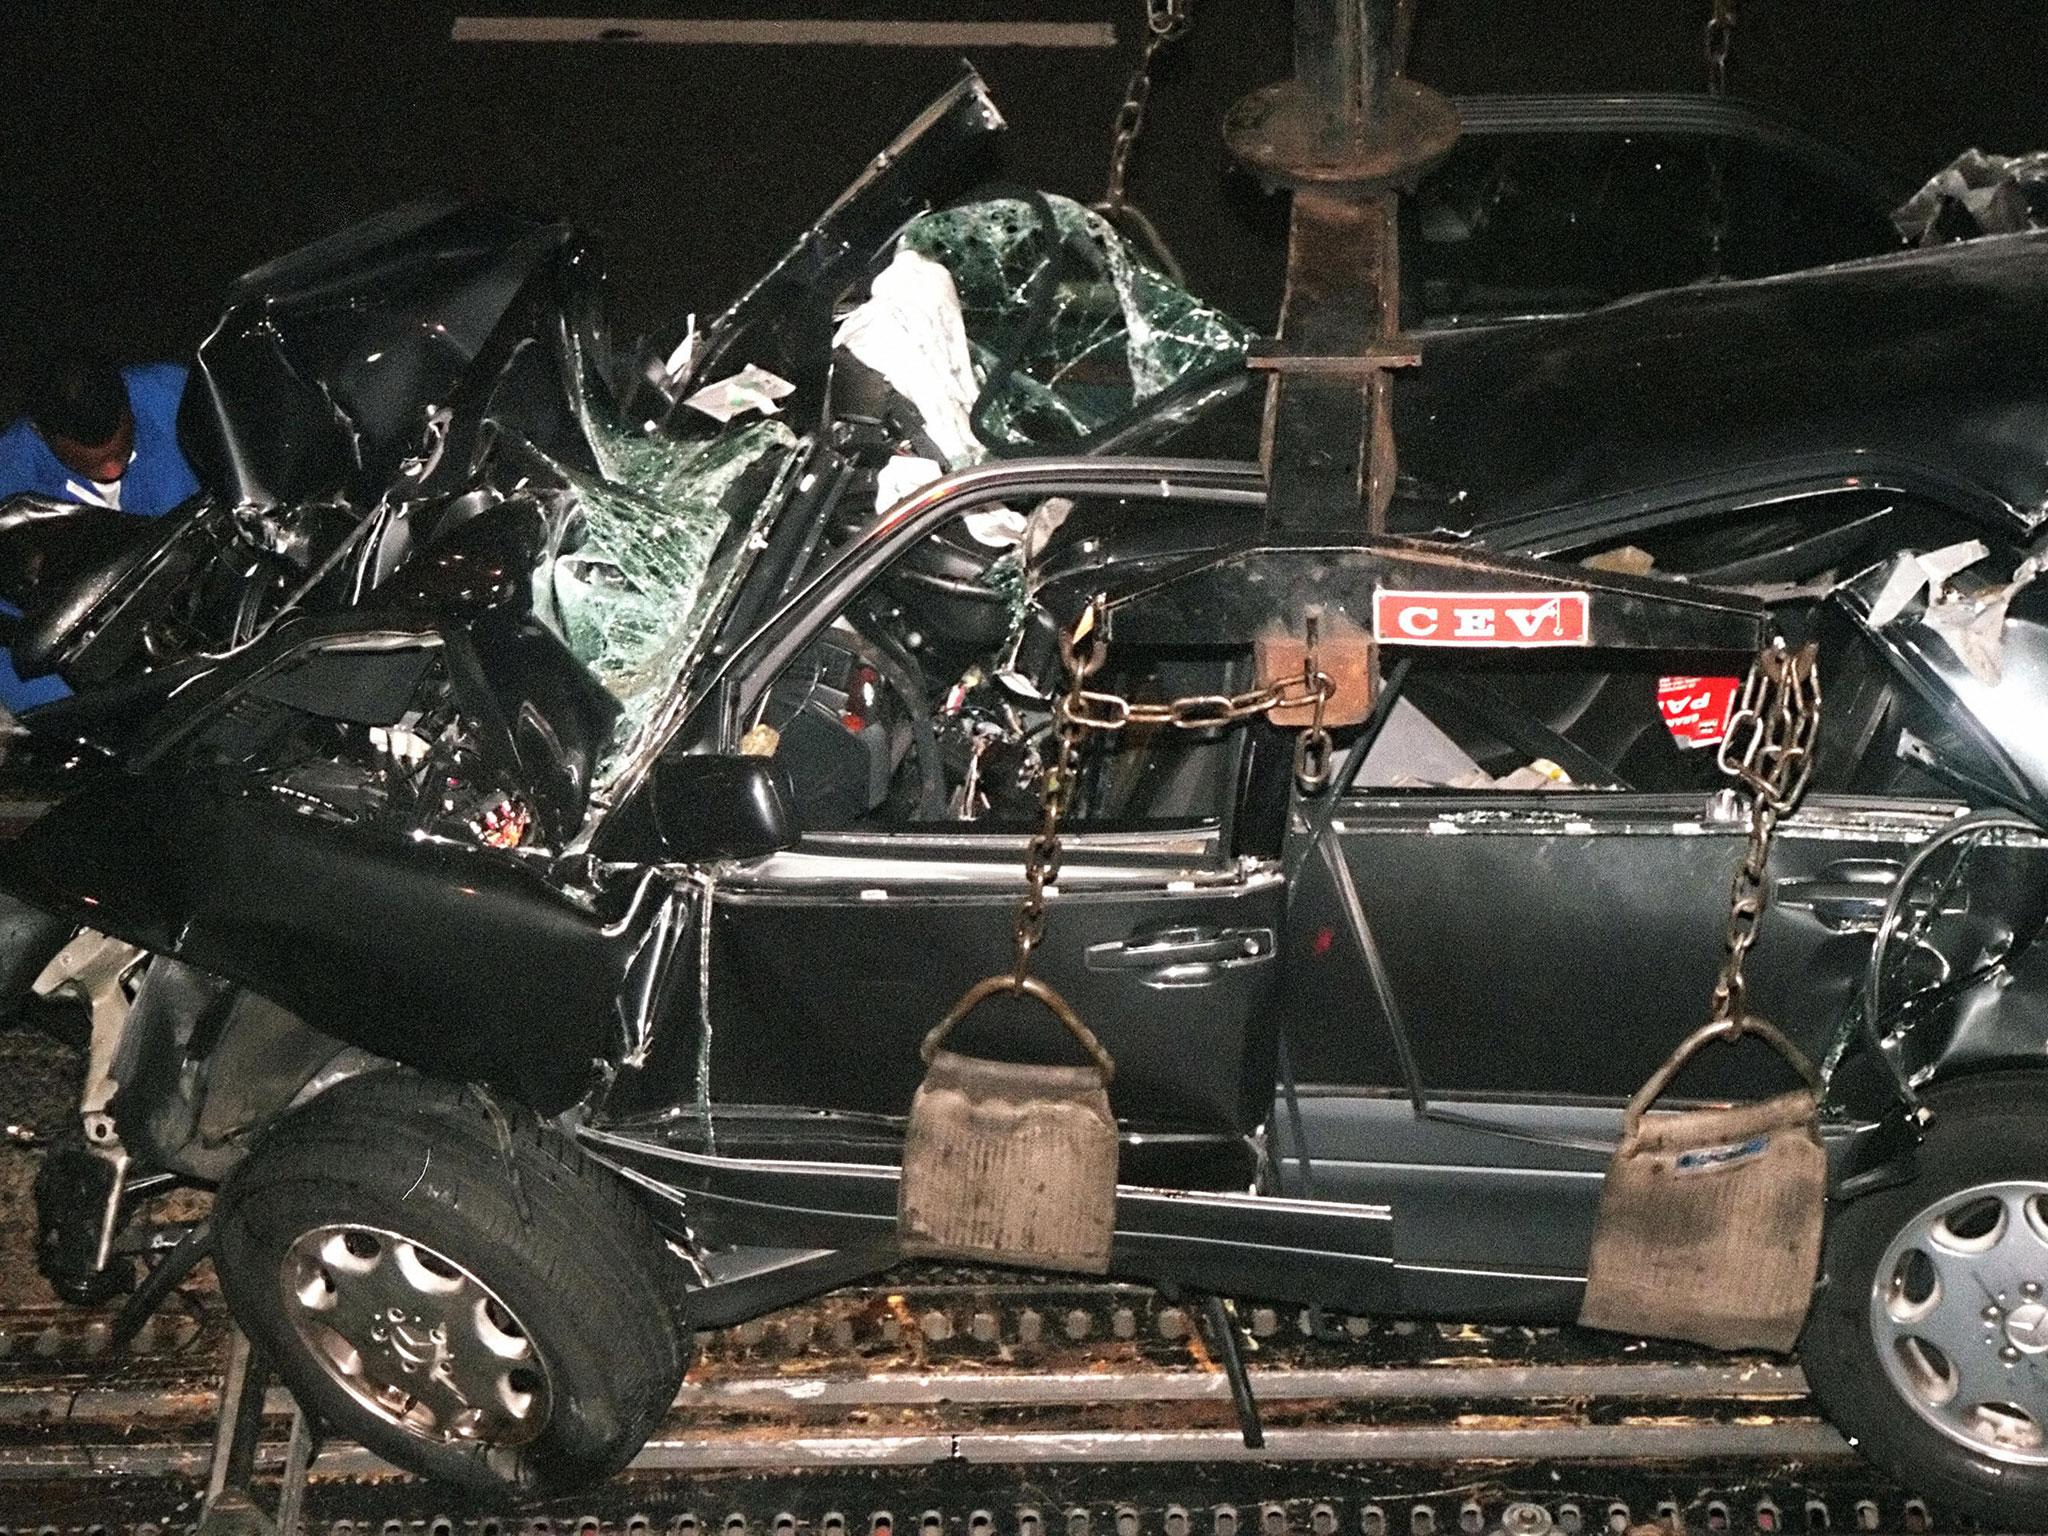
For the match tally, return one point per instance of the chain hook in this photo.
(1312, 746)
(1168, 20)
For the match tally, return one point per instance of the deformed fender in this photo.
(461, 963)
(2000, 1022)
(204, 1066)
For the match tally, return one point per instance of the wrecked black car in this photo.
(535, 939)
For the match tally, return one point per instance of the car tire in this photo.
(1872, 1348)
(454, 1285)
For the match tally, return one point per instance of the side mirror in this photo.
(708, 807)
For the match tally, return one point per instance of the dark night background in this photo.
(152, 152)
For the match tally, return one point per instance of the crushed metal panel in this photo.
(2000, 711)
(1977, 194)
(327, 373)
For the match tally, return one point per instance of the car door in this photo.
(1535, 953)
(1555, 934)
(830, 963)
(914, 741)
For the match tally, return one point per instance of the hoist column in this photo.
(1344, 58)
(1345, 134)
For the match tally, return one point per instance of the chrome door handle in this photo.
(1183, 956)
(1850, 895)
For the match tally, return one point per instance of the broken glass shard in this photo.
(1073, 326)
(651, 555)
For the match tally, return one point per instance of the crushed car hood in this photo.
(360, 365)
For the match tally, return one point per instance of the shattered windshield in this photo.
(1012, 324)
(1072, 326)
(634, 586)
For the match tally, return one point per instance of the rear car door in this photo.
(1553, 934)
(1540, 952)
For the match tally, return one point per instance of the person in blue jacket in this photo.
(101, 436)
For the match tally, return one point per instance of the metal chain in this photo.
(1768, 748)
(1166, 21)
(1312, 746)
(1093, 711)
(1082, 652)
(1720, 42)
(1081, 710)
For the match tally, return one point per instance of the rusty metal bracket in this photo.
(230, 1507)
(1271, 357)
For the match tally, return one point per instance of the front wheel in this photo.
(1928, 1342)
(456, 1287)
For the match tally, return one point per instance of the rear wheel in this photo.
(1928, 1342)
(496, 1317)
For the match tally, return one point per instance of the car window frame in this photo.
(734, 691)
(1743, 124)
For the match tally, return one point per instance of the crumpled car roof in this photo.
(1923, 368)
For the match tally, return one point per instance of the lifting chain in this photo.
(1720, 42)
(1081, 709)
(1082, 652)
(1769, 750)
(1093, 711)
(1089, 710)
(1166, 22)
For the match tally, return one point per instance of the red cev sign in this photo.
(1480, 618)
(1695, 709)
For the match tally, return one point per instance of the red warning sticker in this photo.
(1695, 709)
(1480, 618)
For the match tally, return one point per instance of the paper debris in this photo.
(1973, 623)
(1626, 559)
(1974, 626)
(902, 474)
(997, 527)
(753, 388)
(1911, 574)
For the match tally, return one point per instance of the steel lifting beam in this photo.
(1346, 135)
